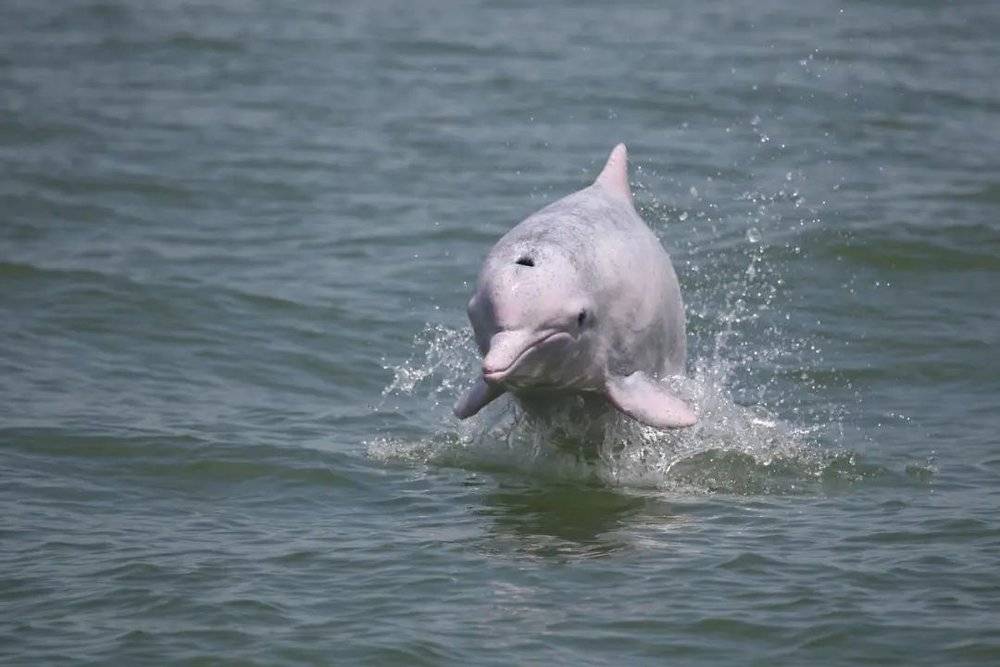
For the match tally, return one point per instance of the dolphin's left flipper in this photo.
(649, 401)
(476, 398)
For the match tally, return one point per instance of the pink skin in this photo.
(581, 298)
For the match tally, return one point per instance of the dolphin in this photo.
(580, 299)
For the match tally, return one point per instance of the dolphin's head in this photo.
(534, 319)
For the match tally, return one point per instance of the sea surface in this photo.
(236, 243)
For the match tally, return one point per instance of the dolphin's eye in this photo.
(524, 260)
(581, 318)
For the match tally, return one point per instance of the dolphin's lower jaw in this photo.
(509, 373)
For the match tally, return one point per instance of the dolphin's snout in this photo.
(509, 348)
(506, 349)
(491, 368)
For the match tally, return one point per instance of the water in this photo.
(236, 241)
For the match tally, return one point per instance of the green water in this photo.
(236, 242)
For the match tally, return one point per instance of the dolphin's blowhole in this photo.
(524, 260)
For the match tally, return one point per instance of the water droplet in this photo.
(753, 235)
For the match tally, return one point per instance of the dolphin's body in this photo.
(581, 299)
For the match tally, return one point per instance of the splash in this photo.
(443, 363)
(759, 432)
(732, 449)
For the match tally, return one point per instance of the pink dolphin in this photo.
(581, 298)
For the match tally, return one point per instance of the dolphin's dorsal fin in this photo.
(614, 176)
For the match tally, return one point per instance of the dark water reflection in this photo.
(568, 521)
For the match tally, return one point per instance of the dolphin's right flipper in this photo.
(649, 401)
(477, 398)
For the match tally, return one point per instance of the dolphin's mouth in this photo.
(495, 375)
